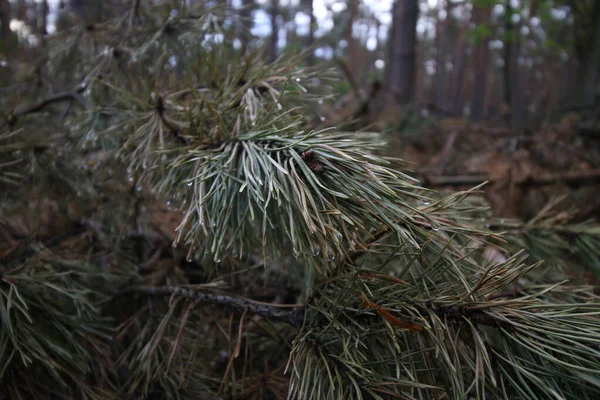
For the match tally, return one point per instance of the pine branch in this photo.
(270, 312)
(71, 95)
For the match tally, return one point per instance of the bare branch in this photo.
(270, 312)
(72, 95)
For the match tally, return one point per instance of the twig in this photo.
(270, 312)
(160, 109)
(135, 5)
(58, 97)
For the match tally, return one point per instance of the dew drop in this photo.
(330, 255)
(130, 178)
(218, 260)
(320, 101)
(213, 224)
(298, 79)
(139, 188)
(315, 251)
(426, 201)
(435, 228)
(189, 258)
(189, 184)
(322, 119)
(168, 204)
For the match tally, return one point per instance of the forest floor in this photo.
(525, 168)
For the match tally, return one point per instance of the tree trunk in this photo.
(245, 24)
(21, 10)
(43, 18)
(592, 65)
(4, 25)
(402, 55)
(441, 46)
(481, 15)
(456, 103)
(587, 52)
(509, 38)
(310, 40)
(274, 30)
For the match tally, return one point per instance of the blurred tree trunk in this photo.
(4, 25)
(509, 38)
(400, 75)
(352, 11)
(456, 103)
(310, 40)
(43, 18)
(245, 24)
(592, 63)
(481, 16)
(348, 27)
(441, 46)
(21, 10)
(274, 30)
(587, 50)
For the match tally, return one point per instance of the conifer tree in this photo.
(303, 263)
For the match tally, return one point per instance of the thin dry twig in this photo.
(271, 312)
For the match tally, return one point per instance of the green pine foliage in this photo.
(303, 264)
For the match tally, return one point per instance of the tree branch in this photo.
(56, 98)
(270, 312)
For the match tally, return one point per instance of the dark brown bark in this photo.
(456, 103)
(592, 65)
(441, 44)
(586, 28)
(509, 38)
(310, 40)
(481, 15)
(4, 24)
(352, 12)
(245, 23)
(43, 17)
(21, 10)
(274, 30)
(402, 54)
